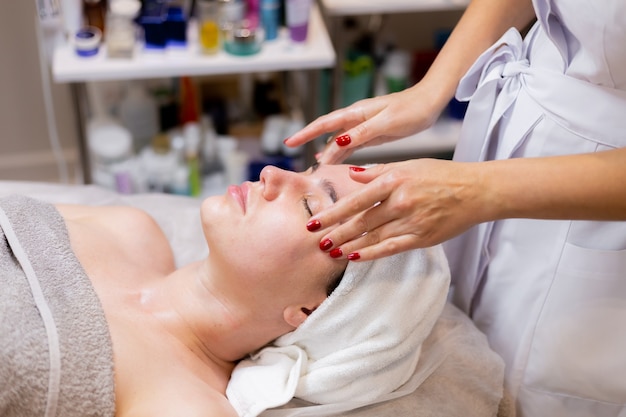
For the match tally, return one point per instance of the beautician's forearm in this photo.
(584, 186)
(483, 22)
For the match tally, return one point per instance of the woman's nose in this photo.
(276, 180)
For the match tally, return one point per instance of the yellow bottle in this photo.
(209, 37)
(208, 26)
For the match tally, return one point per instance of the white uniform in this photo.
(550, 295)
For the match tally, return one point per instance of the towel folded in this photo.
(361, 343)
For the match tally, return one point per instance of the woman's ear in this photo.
(295, 315)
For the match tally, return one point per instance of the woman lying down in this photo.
(95, 319)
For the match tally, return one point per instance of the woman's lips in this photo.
(240, 194)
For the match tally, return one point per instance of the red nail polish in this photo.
(336, 253)
(326, 244)
(357, 169)
(313, 225)
(343, 140)
(354, 256)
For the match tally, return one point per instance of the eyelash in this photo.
(305, 202)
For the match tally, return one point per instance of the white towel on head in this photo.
(362, 342)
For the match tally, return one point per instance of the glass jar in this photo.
(208, 26)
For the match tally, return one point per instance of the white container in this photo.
(139, 113)
(111, 147)
(121, 32)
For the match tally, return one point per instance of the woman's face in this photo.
(257, 232)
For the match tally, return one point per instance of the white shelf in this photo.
(362, 7)
(440, 138)
(277, 55)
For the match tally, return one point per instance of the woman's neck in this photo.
(205, 319)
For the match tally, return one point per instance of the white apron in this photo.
(550, 295)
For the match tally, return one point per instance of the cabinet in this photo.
(442, 137)
(278, 55)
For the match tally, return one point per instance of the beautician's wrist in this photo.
(486, 200)
(434, 93)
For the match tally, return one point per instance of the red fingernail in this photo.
(354, 256)
(357, 169)
(285, 140)
(336, 253)
(343, 140)
(326, 244)
(313, 225)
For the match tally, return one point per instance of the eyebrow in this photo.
(327, 185)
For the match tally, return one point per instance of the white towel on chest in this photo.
(362, 342)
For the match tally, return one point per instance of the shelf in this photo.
(363, 7)
(277, 55)
(440, 138)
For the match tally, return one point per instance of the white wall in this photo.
(25, 149)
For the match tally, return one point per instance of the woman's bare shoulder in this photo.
(130, 229)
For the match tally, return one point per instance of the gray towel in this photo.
(56, 356)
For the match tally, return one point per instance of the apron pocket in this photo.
(579, 345)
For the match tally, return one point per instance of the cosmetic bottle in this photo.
(152, 20)
(191, 133)
(110, 145)
(230, 12)
(121, 30)
(252, 13)
(396, 70)
(176, 25)
(297, 17)
(138, 112)
(269, 10)
(72, 11)
(95, 13)
(208, 26)
(189, 112)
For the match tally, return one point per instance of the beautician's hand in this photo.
(423, 202)
(374, 121)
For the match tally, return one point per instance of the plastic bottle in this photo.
(111, 149)
(121, 30)
(189, 112)
(138, 112)
(193, 138)
(270, 18)
(297, 16)
(110, 145)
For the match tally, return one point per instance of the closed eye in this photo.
(305, 202)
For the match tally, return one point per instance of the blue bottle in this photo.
(152, 19)
(176, 26)
(270, 18)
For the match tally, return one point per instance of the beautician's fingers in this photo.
(366, 248)
(354, 203)
(370, 122)
(387, 239)
(338, 120)
(376, 232)
(422, 202)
